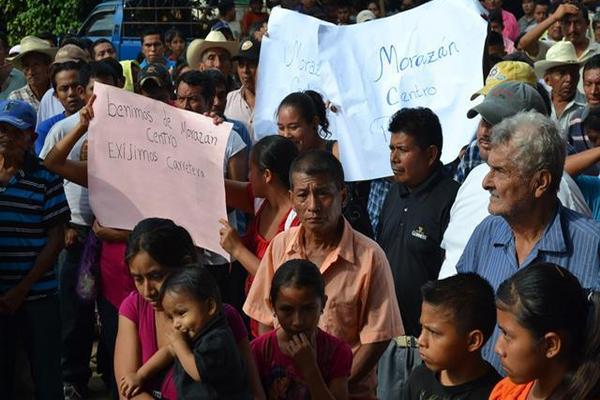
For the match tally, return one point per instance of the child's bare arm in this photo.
(184, 354)
(159, 361)
(131, 384)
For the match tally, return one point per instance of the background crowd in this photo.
(475, 279)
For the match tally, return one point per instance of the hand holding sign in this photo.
(149, 159)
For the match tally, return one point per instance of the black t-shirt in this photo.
(222, 372)
(411, 228)
(423, 384)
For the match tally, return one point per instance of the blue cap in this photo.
(17, 113)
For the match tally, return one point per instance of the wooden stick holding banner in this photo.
(150, 159)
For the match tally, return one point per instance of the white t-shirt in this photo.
(77, 196)
(49, 106)
(471, 207)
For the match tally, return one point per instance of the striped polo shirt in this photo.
(31, 203)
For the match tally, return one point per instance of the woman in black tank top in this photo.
(302, 117)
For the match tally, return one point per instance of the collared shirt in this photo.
(25, 94)
(237, 108)
(31, 203)
(43, 128)
(570, 240)
(49, 107)
(15, 80)
(379, 190)
(170, 64)
(471, 207)
(574, 106)
(77, 196)
(470, 160)
(579, 141)
(411, 227)
(218, 363)
(361, 304)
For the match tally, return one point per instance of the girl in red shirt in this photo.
(267, 197)
(298, 360)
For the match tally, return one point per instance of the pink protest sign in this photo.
(150, 159)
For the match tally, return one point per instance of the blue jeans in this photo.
(394, 368)
(37, 322)
(76, 314)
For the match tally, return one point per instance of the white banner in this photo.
(289, 62)
(429, 56)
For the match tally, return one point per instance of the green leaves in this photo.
(28, 17)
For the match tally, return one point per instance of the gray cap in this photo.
(507, 99)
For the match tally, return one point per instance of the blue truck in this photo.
(122, 21)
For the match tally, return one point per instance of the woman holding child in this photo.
(157, 248)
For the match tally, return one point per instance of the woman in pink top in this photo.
(156, 247)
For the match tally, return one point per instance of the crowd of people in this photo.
(476, 279)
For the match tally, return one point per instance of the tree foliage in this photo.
(28, 17)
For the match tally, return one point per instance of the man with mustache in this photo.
(33, 212)
(470, 206)
(560, 71)
(528, 224)
(361, 305)
(240, 103)
(574, 21)
(576, 135)
(412, 222)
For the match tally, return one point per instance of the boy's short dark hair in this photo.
(470, 299)
(64, 66)
(152, 31)
(494, 39)
(421, 124)
(100, 41)
(105, 69)
(198, 79)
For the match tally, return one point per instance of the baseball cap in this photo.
(17, 113)
(364, 16)
(507, 99)
(507, 71)
(71, 52)
(249, 50)
(154, 72)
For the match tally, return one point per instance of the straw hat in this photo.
(32, 44)
(562, 53)
(212, 40)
